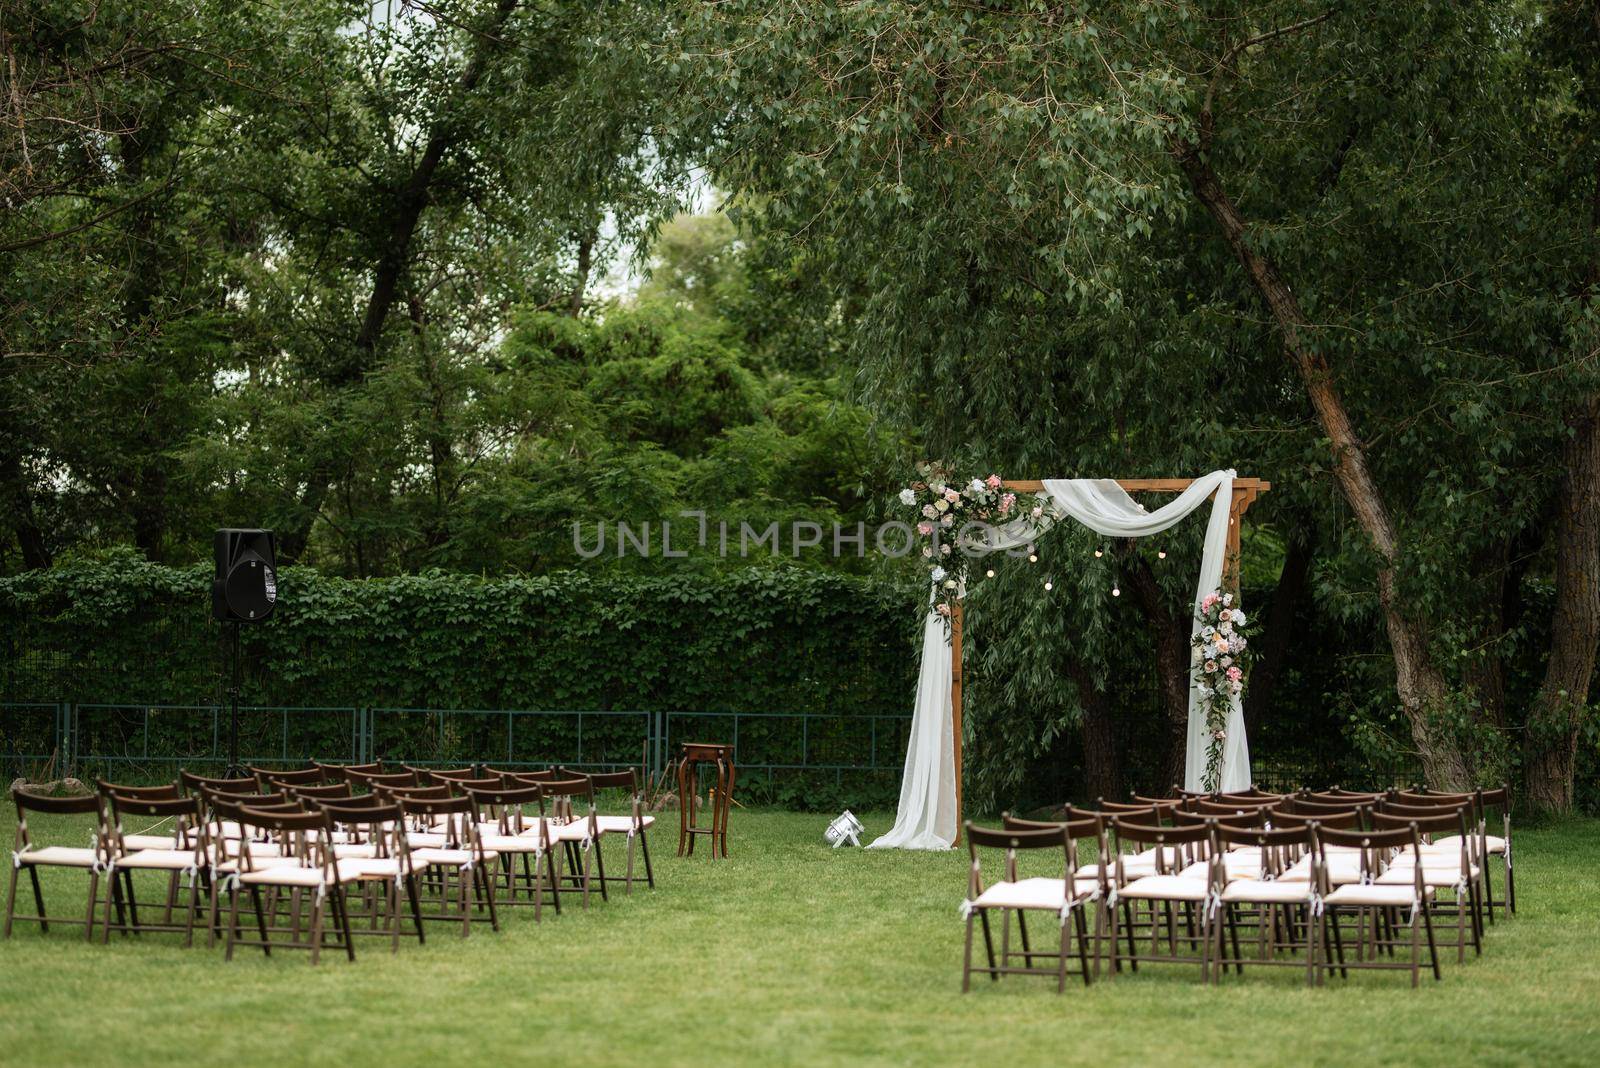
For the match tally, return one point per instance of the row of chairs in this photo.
(324, 853)
(1326, 882)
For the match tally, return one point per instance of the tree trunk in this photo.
(1551, 740)
(1171, 635)
(585, 265)
(1102, 767)
(30, 539)
(1278, 629)
(1418, 680)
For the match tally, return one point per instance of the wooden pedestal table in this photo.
(717, 758)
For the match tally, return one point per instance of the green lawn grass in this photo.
(791, 953)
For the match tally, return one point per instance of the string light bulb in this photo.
(989, 573)
(1097, 554)
(1033, 558)
(1161, 554)
(1047, 585)
(1115, 592)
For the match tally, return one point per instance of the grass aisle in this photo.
(790, 954)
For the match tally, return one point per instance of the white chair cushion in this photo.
(1134, 865)
(426, 840)
(510, 843)
(149, 841)
(1234, 865)
(1342, 868)
(1431, 876)
(1272, 892)
(576, 831)
(159, 859)
(1495, 843)
(454, 858)
(354, 850)
(60, 857)
(622, 824)
(346, 871)
(228, 867)
(1369, 894)
(373, 867)
(1167, 887)
(1037, 893)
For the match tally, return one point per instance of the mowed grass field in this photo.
(788, 953)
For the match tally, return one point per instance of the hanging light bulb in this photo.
(1033, 558)
(1097, 554)
(1047, 585)
(1115, 592)
(989, 573)
(1161, 554)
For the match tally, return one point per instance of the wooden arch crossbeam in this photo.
(1245, 491)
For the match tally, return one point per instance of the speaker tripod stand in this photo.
(235, 769)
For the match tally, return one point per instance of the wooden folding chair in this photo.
(341, 772)
(272, 779)
(461, 858)
(369, 840)
(188, 857)
(1167, 890)
(373, 780)
(1087, 890)
(1377, 908)
(635, 824)
(165, 791)
(1281, 907)
(506, 828)
(194, 785)
(314, 873)
(575, 828)
(28, 855)
(1014, 894)
(1456, 867)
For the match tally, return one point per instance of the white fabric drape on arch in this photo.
(927, 814)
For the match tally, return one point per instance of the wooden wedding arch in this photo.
(1245, 491)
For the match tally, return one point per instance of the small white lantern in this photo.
(844, 828)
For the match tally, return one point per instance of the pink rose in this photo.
(1211, 667)
(993, 481)
(952, 495)
(1008, 502)
(1234, 674)
(924, 529)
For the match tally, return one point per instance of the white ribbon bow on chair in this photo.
(968, 907)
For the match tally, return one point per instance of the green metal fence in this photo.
(86, 739)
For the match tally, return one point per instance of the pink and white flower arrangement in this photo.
(1220, 656)
(942, 505)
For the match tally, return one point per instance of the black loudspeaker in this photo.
(245, 587)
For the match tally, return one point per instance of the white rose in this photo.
(1238, 617)
(939, 574)
(908, 497)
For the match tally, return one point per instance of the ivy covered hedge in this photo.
(120, 630)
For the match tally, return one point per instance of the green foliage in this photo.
(786, 640)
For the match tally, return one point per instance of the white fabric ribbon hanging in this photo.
(926, 818)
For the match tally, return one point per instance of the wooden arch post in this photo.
(1245, 491)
